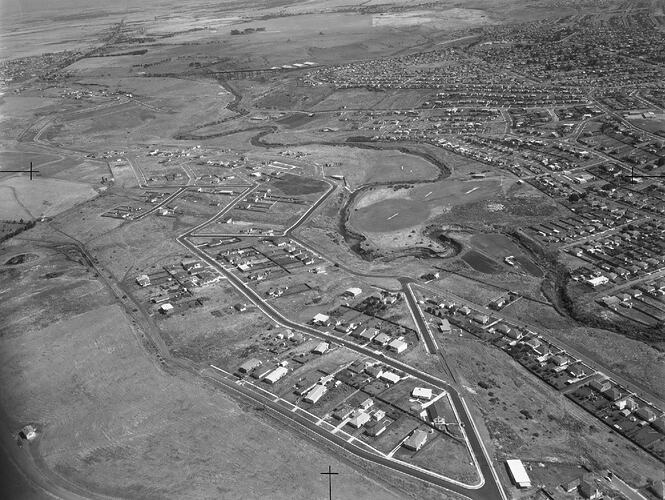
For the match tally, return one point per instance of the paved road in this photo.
(491, 489)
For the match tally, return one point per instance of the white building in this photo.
(276, 374)
(518, 473)
(315, 393)
(422, 393)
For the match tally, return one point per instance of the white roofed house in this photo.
(422, 393)
(320, 348)
(518, 473)
(276, 374)
(398, 346)
(316, 393)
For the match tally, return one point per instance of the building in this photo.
(645, 414)
(376, 428)
(381, 339)
(416, 440)
(367, 404)
(359, 419)
(320, 348)
(276, 374)
(391, 377)
(598, 280)
(143, 280)
(482, 319)
(600, 385)
(321, 319)
(422, 393)
(316, 393)
(518, 473)
(352, 292)
(249, 365)
(398, 346)
(434, 416)
(587, 489)
(444, 326)
(343, 412)
(166, 308)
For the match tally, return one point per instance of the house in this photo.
(250, 365)
(422, 393)
(321, 320)
(191, 264)
(316, 393)
(378, 414)
(598, 281)
(398, 346)
(376, 428)
(612, 394)
(588, 490)
(391, 377)
(320, 348)
(368, 334)
(600, 386)
(381, 339)
(518, 473)
(444, 326)
(367, 404)
(343, 412)
(433, 414)
(166, 308)
(276, 374)
(352, 292)
(28, 432)
(626, 404)
(645, 414)
(576, 370)
(571, 485)
(504, 329)
(482, 319)
(359, 419)
(374, 371)
(416, 440)
(658, 489)
(465, 310)
(240, 307)
(143, 280)
(659, 424)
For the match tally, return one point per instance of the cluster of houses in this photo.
(625, 412)
(268, 257)
(587, 222)
(617, 406)
(626, 255)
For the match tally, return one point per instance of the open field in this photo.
(122, 418)
(41, 197)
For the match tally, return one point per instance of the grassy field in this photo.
(552, 425)
(111, 419)
(22, 198)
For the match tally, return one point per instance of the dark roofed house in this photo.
(600, 386)
(612, 394)
(249, 365)
(645, 414)
(416, 440)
